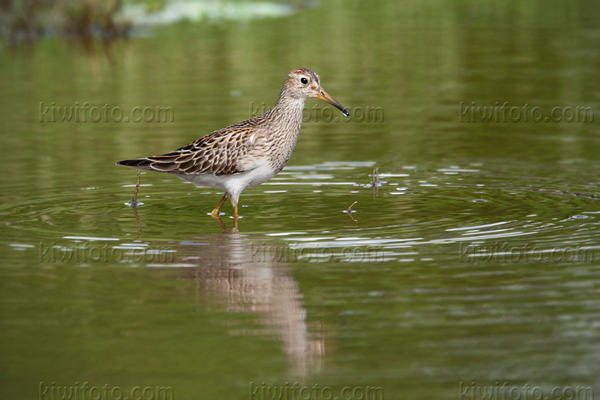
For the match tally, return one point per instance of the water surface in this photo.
(471, 254)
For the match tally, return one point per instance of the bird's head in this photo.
(304, 84)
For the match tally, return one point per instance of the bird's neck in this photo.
(287, 112)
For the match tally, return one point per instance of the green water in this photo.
(471, 260)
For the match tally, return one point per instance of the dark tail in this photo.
(139, 163)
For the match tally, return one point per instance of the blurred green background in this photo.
(421, 316)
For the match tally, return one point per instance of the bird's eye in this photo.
(304, 81)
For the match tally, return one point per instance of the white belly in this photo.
(233, 184)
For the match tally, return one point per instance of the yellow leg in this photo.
(215, 212)
(134, 202)
(235, 220)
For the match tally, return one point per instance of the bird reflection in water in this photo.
(229, 270)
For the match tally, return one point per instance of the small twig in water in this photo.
(375, 182)
(349, 210)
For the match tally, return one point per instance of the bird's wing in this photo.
(217, 153)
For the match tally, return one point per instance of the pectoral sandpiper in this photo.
(246, 154)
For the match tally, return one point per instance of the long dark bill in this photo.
(323, 95)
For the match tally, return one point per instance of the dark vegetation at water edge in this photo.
(31, 19)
